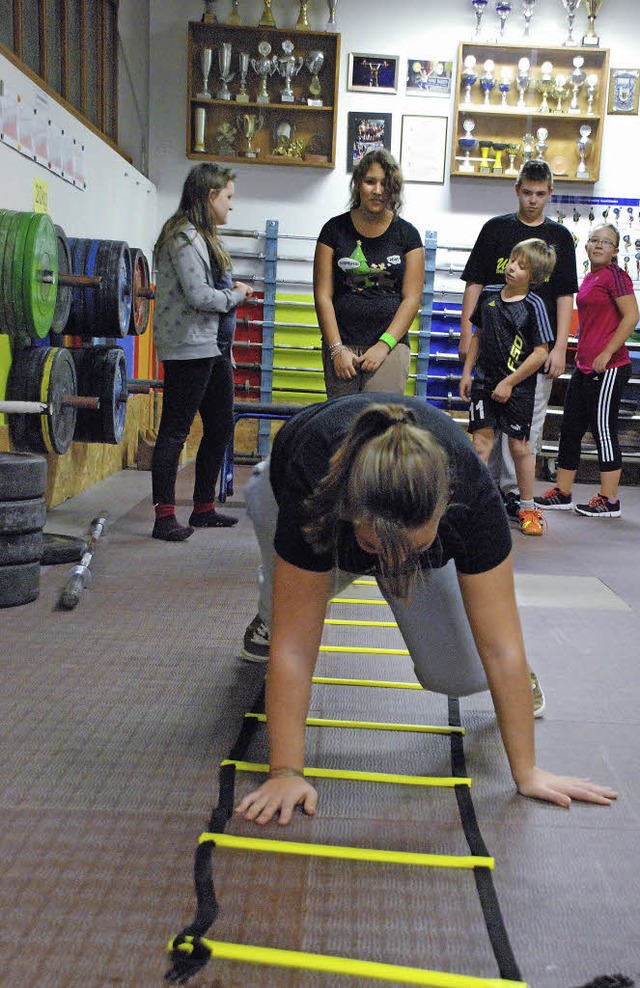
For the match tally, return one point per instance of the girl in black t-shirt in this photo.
(392, 486)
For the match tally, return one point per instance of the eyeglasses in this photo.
(601, 243)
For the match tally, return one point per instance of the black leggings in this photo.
(191, 386)
(592, 402)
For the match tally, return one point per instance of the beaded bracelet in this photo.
(335, 348)
(284, 773)
(389, 340)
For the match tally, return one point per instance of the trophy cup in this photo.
(224, 62)
(570, 6)
(313, 62)
(485, 161)
(504, 85)
(243, 94)
(468, 143)
(263, 68)
(266, 18)
(479, 7)
(503, 9)
(209, 16)
(560, 90)
(488, 80)
(497, 164)
(583, 144)
(225, 135)
(512, 151)
(592, 85)
(302, 24)
(288, 67)
(527, 10)
(545, 85)
(577, 77)
(469, 77)
(198, 136)
(331, 23)
(234, 19)
(527, 147)
(249, 123)
(541, 143)
(591, 39)
(523, 80)
(206, 59)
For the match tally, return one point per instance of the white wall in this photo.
(303, 198)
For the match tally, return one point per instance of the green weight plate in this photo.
(11, 325)
(65, 292)
(40, 256)
(5, 217)
(21, 323)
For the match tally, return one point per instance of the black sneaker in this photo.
(511, 503)
(255, 644)
(554, 500)
(600, 507)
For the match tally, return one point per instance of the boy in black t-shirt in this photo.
(509, 345)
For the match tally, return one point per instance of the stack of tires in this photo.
(23, 482)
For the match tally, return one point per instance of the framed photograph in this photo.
(623, 91)
(373, 73)
(423, 147)
(426, 77)
(367, 132)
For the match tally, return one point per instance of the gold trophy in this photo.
(249, 124)
(591, 39)
(302, 24)
(267, 19)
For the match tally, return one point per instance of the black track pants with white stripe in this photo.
(592, 402)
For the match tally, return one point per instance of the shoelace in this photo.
(530, 515)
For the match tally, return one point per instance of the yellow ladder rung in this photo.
(364, 583)
(362, 624)
(380, 856)
(369, 725)
(382, 683)
(357, 600)
(447, 782)
(364, 651)
(300, 961)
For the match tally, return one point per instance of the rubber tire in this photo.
(62, 549)
(19, 584)
(23, 547)
(22, 476)
(22, 516)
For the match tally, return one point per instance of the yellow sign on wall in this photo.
(40, 196)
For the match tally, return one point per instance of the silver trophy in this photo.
(504, 85)
(523, 80)
(570, 6)
(313, 62)
(479, 7)
(577, 79)
(488, 79)
(592, 85)
(242, 95)
(199, 120)
(527, 147)
(583, 145)
(512, 151)
(331, 23)
(541, 143)
(250, 124)
(205, 62)
(503, 9)
(469, 77)
(468, 143)
(560, 90)
(544, 85)
(527, 10)
(288, 66)
(264, 67)
(224, 62)
(591, 39)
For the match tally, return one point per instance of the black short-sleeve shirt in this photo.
(474, 530)
(368, 273)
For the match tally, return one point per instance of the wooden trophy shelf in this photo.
(499, 123)
(298, 131)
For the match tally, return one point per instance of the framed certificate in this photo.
(423, 147)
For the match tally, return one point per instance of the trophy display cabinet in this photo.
(262, 95)
(518, 102)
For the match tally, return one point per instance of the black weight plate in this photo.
(23, 384)
(45, 374)
(23, 548)
(22, 475)
(62, 549)
(91, 295)
(65, 292)
(17, 517)
(62, 382)
(76, 325)
(140, 307)
(5, 289)
(19, 584)
(102, 372)
(114, 310)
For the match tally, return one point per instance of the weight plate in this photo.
(19, 584)
(114, 309)
(20, 317)
(65, 294)
(62, 549)
(45, 374)
(23, 548)
(76, 325)
(102, 372)
(91, 294)
(22, 475)
(12, 325)
(5, 217)
(40, 261)
(140, 307)
(17, 517)
(23, 384)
